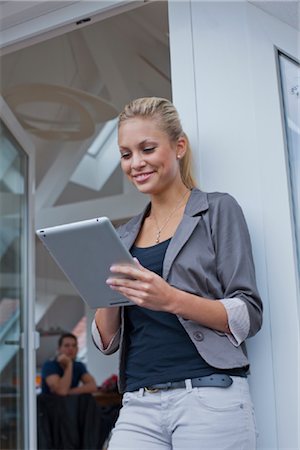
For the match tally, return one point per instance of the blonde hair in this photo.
(165, 114)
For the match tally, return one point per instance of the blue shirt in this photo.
(52, 367)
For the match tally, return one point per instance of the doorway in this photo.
(66, 92)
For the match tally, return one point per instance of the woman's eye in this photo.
(125, 155)
(148, 149)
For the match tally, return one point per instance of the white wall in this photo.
(240, 149)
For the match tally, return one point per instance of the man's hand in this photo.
(64, 361)
(61, 385)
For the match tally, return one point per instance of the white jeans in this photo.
(187, 419)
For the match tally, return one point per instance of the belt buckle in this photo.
(151, 390)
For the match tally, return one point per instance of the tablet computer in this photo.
(85, 251)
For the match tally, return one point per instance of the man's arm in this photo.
(88, 385)
(61, 385)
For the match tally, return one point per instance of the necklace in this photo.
(160, 229)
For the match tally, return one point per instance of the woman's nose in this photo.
(137, 161)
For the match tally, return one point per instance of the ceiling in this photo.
(111, 61)
(285, 10)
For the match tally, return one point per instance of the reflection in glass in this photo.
(290, 85)
(13, 163)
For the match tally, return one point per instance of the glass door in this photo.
(16, 365)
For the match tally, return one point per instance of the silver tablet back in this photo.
(85, 251)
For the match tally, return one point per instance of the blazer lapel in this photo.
(196, 204)
(183, 232)
(128, 237)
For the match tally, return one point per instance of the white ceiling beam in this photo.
(88, 72)
(59, 174)
(116, 207)
(106, 51)
(158, 54)
(115, 55)
(114, 70)
(61, 171)
(93, 172)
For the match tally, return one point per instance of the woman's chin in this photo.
(144, 188)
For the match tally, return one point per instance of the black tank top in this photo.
(158, 347)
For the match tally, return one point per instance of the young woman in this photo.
(183, 364)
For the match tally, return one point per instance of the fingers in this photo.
(139, 265)
(131, 293)
(134, 290)
(137, 273)
(136, 285)
(136, 296)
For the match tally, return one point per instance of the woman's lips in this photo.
(142, 177)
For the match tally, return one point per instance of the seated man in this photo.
(63, 375)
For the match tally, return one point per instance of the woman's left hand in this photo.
(141, 286)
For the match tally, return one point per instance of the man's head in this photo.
(67, 345)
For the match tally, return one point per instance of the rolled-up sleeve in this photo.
(235, 268)
(238, 320)
(112, 346)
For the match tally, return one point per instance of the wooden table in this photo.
(108, 398)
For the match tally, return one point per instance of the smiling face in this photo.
(148, 157)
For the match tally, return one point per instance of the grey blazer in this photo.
(210, 255)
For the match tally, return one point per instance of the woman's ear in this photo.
(181, 147)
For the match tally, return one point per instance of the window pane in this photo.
(290, 86)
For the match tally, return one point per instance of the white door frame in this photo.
(39, 21)
(29, 341)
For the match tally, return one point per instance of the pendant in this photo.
(157, 237)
